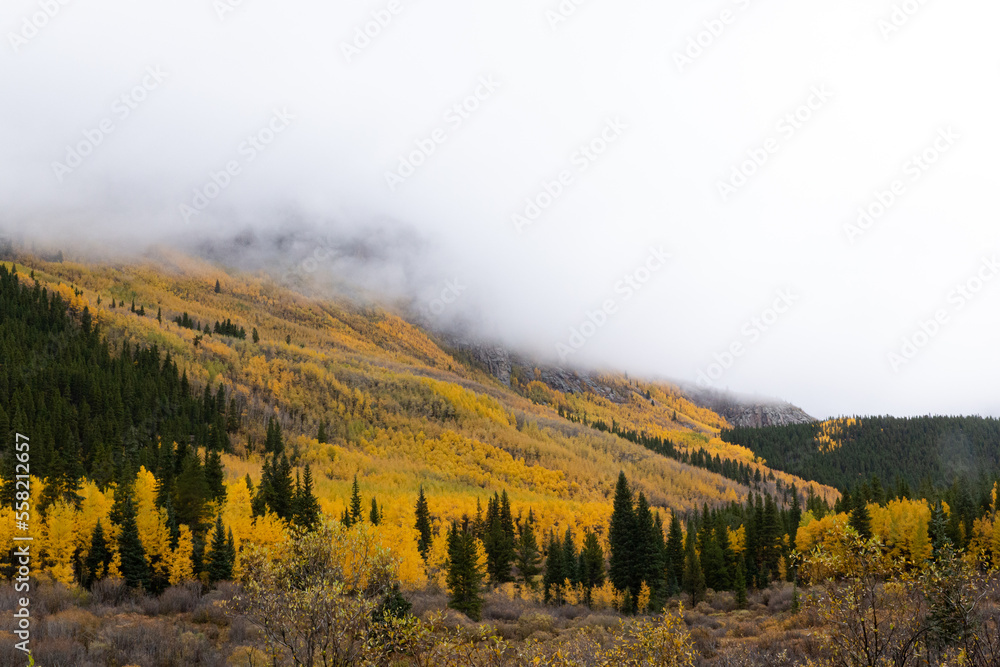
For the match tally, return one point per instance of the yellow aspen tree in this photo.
(61, 540)
(151, 521)
(94, 507)
(237, 513)
(644, 594)
(181, 566)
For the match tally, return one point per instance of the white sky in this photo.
(677, 135)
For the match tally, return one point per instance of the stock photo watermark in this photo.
(582, 158)
(248, 151)
(21, 551)
(454, 117)
(34, 23)
(787, 127)
(900, 15)
(225, 7)
(123, 107)
(926, 330)
(368, 31)
(711, 31)
(911, 171)
(562, 12)
(627, 287)
(750, 333)
(448, 295)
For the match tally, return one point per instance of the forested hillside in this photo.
(188, 425)
(928, 452)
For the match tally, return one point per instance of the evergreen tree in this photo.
(190, 492)
(98, 558)
(374, 515)
(647, 551)
(674, 553)
(498, 539)
(214, 476)
(711, 559)
(306, 513)
(255, 336)
(218, 287)
(273, 443)
(464, 576)
(571, 566)
(321, 436)
(555, 571)
(740, 586)
(355, 505)
(423, 525)
(621, 537)
(693, 580)
(220, 565)
(527, 556)
(592, 562)
(134, 569)
(861, 520)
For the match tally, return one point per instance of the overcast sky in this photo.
(667, 188)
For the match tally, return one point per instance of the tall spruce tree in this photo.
(674, 552)
(423, 524)
(555, 570)
(306, 513)
(621, 537)
(355, 504)
(464, 577)
(527, 557)
(98, 558)
(693, 580)
(134, 569)
(220, 563)
(591, 562)
(373, 516)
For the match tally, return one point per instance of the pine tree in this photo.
(374, 515)
(273, 443)
(98, 558)
(355, 502)
(740, 586)
(306, 504)
(571, 565)
(134, 568)
(220, 566)
(861, 520)
(190, 492)
(279, 489)
(214, 476)
(218, 287)
(647, 551)
(674, 555)
(255, 336)
(464, 576)
(621, 537)
(555, 570)
(694, 579)
(423, 524)
(592, 562)
(527, 557)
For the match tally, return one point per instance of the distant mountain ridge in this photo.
(739, 411)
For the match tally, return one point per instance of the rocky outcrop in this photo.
(745, 411)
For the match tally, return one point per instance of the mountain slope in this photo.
(401, 411)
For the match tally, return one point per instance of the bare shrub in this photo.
(180, 599)
(57, 652)
(722, 601)
(110, 591)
